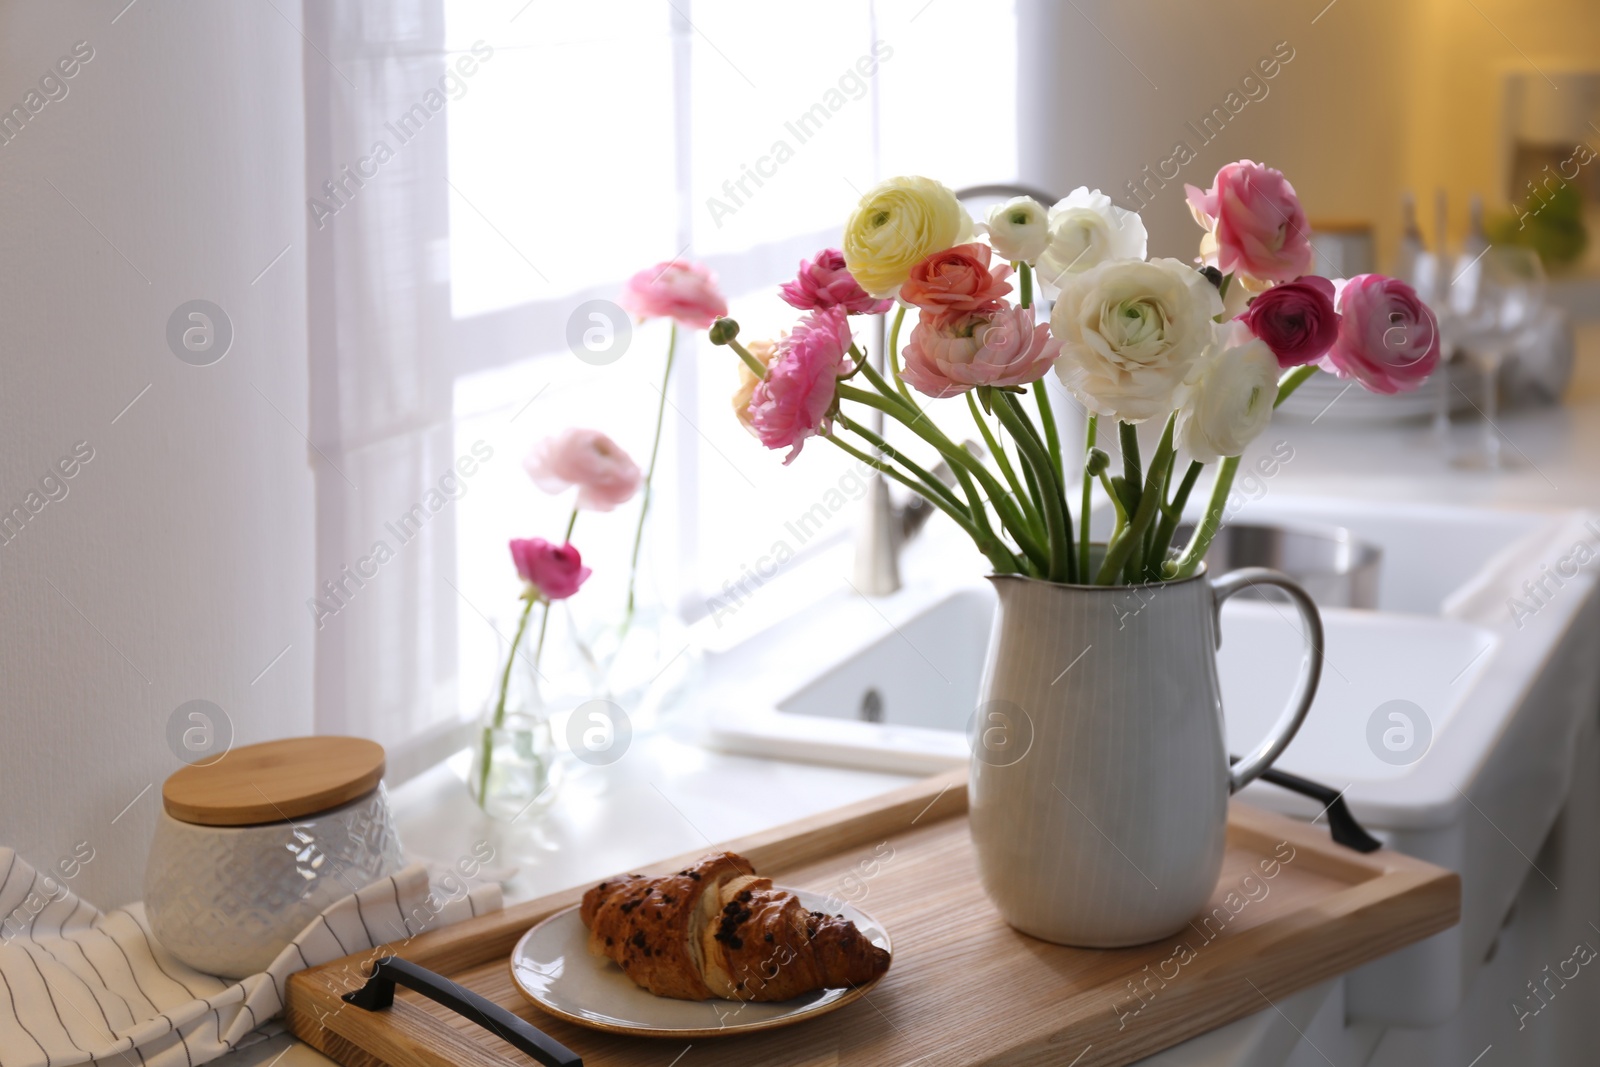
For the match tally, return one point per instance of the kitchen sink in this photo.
(1448, 718)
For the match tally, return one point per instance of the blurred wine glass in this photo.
(1491, 310)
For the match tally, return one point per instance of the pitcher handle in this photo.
(1305, 690)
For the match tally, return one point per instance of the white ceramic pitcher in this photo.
(1100, 777)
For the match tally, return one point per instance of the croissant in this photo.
(718, 929)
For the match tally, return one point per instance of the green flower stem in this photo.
(758, 368)
(1036, 494)
(1028, 500)
(1128, 441)
(893, 355)
(1171, 515)
(1024, 563)
(649, 476)
(505, 686)
(1189, 562)
(934, 487)
(1058, 521)
(1083, 509)
(1116, 504)
(1025, 278)
(1292, 381)
(1121, 549)
(1047, 421)
(999, 556)
(958, 457)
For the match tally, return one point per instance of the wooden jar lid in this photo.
(275, 781)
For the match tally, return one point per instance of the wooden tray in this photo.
(964, 988)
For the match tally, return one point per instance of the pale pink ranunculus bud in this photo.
(676, 289)
(1254, 223)
(823, 282)
(605, 475)
(1388, 338)
(556, 571)
(793, 401)
(949, 354)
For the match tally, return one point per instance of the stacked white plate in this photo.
(1325, 398)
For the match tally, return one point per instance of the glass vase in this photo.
(517, 769)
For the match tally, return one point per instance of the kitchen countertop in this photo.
(668, 795)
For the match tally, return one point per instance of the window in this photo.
(583, 143)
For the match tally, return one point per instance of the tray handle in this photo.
(1342, 825)
(378, 994)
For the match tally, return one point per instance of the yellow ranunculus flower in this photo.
(763, 351)
(897, 225)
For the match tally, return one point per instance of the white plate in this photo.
(552, 966)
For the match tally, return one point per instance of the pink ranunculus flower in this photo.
(1295, 319)
(1388, 338)
(949, 354)
(957, 280)
(1254, 223)
(793, 401)
(675, 289)
(604, 474)
(556, 571)
(823, 282)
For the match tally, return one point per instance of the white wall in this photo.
(186, 542)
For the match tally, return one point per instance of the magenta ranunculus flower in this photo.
(675, 289)
(1295, 319)
(1388, 338)
(823, 282)
(1254, 223)
(604, 474)
(949, 354)
(556, 571)
(792, 402)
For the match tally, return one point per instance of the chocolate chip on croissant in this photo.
(717, 929)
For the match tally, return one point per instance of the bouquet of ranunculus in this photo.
(1131, 338)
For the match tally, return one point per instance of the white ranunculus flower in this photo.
(1018, 229)
(1130, 332)
(1086, 230)
(1228, 397)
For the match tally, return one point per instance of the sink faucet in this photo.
(886, 528)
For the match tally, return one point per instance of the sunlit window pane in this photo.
(781, 120)
(561, 152)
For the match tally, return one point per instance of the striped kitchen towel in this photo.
(81, 986)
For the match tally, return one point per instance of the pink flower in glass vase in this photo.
(949, 354)
(1254, 223)
(823, 282)
(1296, 320)
(792, 402)
(957, 279)
(675, 289)
(556, 571)
(1388, 338)
(604, 474)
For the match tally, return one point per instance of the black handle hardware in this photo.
(1341, 824)
(378, 994)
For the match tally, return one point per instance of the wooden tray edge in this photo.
(1427, 903)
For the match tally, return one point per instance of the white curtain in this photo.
(377, 217)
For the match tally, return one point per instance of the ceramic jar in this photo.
(226, 899)
(1100, 777)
